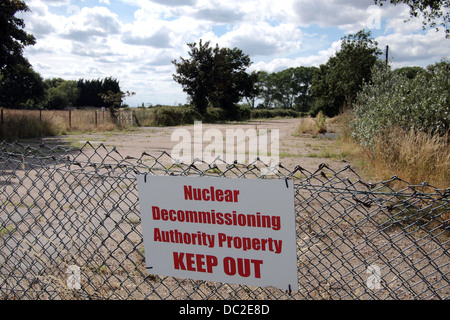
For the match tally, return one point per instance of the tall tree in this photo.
(435, 12)
(292, 87)
(215, 76)
(337, 83)
(61, 93)
(194, 74)
(91, 91)
(268, 89)
(13, 37)
(21, 87)
(230, 81)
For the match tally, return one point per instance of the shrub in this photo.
(273, 113)
(393, 100)
(214, 115)
(403, 124)
(166, 116)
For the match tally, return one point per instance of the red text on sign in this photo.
(242, 267)
(210, 194)
(194, 262)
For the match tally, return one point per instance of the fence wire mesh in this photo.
(64, 207)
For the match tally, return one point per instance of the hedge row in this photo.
(173, 116)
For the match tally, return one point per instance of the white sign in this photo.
(239, 231)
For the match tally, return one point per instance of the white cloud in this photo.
(159, 39)
(90, 42)
(262, 39)
(316, 60)
(96, 21)
(219, 15)
(416, 49)
(175, 3)
(56, 2)
(348, 15)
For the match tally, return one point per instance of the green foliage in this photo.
(288, 89)
(273, 113)
(409, 72)
(60, 94)
(394, 100)
(166, 116)
(436, 13)
(114, 100)
(215, 77)
(13, 37)
(21, 87)
(214, 115)
(336, 84)
(91, 92)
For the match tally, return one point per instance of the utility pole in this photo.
(387, 55)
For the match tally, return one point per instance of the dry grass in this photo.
(412, 156)
(313, 126)
(22, 124)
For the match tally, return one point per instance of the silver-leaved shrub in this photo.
(392, 100)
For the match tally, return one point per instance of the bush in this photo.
(393, 100)
(273, 113)
(403, 123)
(166, 116)
(244, 113)
(214, 115)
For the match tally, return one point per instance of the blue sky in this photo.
(136, 40)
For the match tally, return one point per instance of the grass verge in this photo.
(413, 156)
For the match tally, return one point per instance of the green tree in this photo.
(337, 83)
(215, 76)
(114, 100)
(61, 93)
(435, 12)
(409, 72)
(292, 87)
(267, 89)
(230, 81)
(91, 91)
(13, 37)
(194, 74)
(21, 87)
(304, 100)
(254, 92)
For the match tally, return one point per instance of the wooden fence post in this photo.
(70, 119)
(2, 120)
(96, 122)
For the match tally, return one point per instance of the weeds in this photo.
(24, 127)
(412, 155)
(313, 126)
(415, 156)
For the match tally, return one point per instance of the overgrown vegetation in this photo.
(394, 101)
(181, 115)
(400, 125)
(313, 126)
(23, 127)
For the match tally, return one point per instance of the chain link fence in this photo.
(69, 212)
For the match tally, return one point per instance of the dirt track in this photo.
(294, 149)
